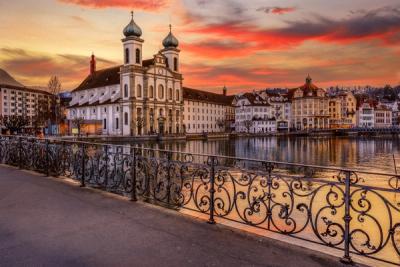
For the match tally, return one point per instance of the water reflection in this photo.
(372, 154)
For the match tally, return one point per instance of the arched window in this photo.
(126, 118)
(139, 91)
(170, 93)
(104, 124)
(137, 56)
(160, 91)
(126, 55)
(116, 123)
(151, 91)
(125, 90)
(167, 63)
(175, 64)
(161, 112)
(177, 95)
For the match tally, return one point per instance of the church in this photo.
(139, 97)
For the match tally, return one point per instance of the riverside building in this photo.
(139, 97)
(310, 107)
(207, 112)
(254, 114)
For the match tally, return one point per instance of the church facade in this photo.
(139, 97)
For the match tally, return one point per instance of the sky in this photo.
(245, 45)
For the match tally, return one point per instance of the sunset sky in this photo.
(246, 45)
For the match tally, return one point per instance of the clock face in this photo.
(160, 71)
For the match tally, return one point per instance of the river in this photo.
(362, 153)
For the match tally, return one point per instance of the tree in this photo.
(247, 124)
(54, 85)
(14, 123)
(78, 122)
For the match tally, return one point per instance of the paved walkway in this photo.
(50, 222)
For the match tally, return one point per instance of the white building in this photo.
(281, 108)
(19, 100)
(135, 98)
(253, 114)
(206, 112)
(366, 115)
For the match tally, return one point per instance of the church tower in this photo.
(132, 44)
(131, 79)
(171, 51)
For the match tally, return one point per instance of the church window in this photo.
(125, 90)
(126, 118)
(160, 91)
(137, 56)
(175, 64)
(116, 123)
(177, 95)
(139, 91)
(170, 93)
(126, 55)
(104, 124)
(151, 91)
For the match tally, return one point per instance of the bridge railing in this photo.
(354, 211)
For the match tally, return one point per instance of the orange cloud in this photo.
(147, 5)
(218, 50)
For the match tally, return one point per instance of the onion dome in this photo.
(170, 40)
(132, 29)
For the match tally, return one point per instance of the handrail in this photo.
(294, 164)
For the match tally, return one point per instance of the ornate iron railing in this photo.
(357, 212)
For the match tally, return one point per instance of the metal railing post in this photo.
(212, 189)
(47, 158)
(347, 218)
(169, 157)
(133, 175)
(83, 165)
(20, 152)
(106, 170)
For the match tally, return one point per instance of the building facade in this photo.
(254, 114)
(383, 117)
(366, 115)
(206, 112)
(136, 98)
(310, 107)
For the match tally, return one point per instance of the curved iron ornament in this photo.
(341, 211)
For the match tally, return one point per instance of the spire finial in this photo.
(170, 27)
(132, 14)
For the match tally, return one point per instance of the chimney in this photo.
(92, 64)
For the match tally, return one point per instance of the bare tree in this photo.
(14, 123)
(247, 124)
(54, 85)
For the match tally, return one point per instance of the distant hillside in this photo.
(6, 78)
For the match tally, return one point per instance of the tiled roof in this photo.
(100, 78)
(96, 103)
(105, 77)
(254, 99)
(23, 88)
(204, 96)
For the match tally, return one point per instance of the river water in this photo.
(362, 153)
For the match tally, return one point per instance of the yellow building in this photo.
(310, 107)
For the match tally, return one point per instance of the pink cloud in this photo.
(131, 4)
